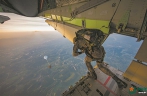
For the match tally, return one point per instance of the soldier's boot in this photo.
(91, 71)
(93, 74)
(121, 84)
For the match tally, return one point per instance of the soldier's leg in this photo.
(89, 67)
(103, 68)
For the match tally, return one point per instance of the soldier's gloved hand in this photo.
(80, 52)
(74, 40)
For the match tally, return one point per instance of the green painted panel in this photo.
(59, 18)
(1, 9)
(75, 21)
(98, 24)
(47, 15)
(91, 24)
(54, 17)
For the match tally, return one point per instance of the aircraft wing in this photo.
(109, 16)
(30, 8)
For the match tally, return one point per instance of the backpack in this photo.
(92, 37)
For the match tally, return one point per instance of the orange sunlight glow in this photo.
(19, 23)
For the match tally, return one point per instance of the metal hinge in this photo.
(123, 22)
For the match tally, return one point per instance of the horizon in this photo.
(18, 23)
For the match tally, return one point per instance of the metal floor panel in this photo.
(142, 53)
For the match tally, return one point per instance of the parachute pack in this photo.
(92, 37)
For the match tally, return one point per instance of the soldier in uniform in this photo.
(94, 53)
(81, 44)
(89, 46)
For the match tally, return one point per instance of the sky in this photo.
(19, 23)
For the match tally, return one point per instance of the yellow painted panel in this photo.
(75, 21)
(47, 15)
(98, 24)
(59, 18)
(54, 17)
(137, 73)
(90, 24)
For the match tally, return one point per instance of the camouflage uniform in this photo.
(94, 54)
